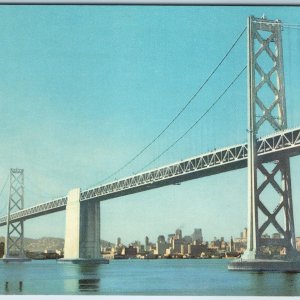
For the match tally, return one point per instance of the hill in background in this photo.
(48, 243)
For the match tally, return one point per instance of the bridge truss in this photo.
(269, 148)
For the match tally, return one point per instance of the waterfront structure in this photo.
(267, 109)
(14, 243)
(196, 250)
(82, 208)
(267, 35)
(130, 251)
(285, 143)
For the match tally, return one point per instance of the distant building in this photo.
(187, 239)
(176, 245)
(196, 250)
(146, 243)
(239, 245)
(244, 234)
(184, 249)
(231, 249)
(161, 239)
(161, 248)
(140, 249)
(169, 251)
(276, 235)
(118, 242)
(197, 236)
(178, 234)
(171, 237)
(130, 251)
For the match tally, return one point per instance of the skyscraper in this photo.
(161, 239)
(178, 234)
(118, 242)
(146, 243)
(197, 235)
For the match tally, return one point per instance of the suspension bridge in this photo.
(82, 207)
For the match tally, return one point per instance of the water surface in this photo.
(188, 277)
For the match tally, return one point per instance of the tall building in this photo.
(176, 245)
(161, 248)
(170, 237)
(146, 243)
(245, 233)
(197, 235)
(178, 234)
(161, 239)
(231, 245)
(118, 242)
(187, 239)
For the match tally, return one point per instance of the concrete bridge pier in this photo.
(82, 235)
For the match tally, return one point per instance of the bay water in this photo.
(159, 277)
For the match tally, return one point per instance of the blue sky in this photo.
(85, 88)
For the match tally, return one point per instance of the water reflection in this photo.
(12, 287)
(88, 285)
(274, 283)
(291, 283)
(89, 278)
(81, 278)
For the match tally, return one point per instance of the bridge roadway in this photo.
(270, 148)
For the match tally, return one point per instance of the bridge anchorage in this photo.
(265, 43)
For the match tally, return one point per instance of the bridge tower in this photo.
(82, 235)
(269, 184)
(14, 243)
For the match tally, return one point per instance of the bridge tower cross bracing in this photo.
(14, 243)
(267, 108)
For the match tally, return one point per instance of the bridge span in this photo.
(269, 148)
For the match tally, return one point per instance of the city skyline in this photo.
(95, 85)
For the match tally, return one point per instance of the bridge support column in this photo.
(269, 183)
(14, 242)
(82, 235)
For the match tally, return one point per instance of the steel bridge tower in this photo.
(14, 244)
(269, 184)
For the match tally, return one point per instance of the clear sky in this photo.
(85, 88)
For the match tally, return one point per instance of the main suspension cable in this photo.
(178, 114)
(3, 187)
(197, 121)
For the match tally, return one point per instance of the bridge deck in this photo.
(270, 148)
